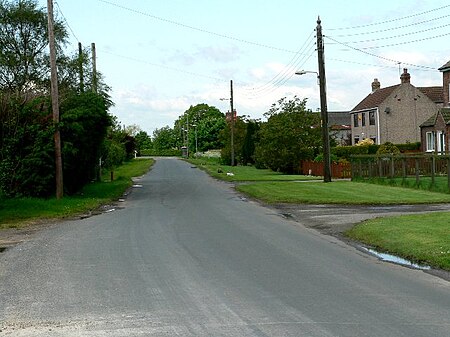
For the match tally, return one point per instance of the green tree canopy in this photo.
(207, 121)
(291, 134)
(24, 40)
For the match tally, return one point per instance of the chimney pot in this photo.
(405, 77)
(376, 85)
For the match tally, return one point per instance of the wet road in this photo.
(186, 256)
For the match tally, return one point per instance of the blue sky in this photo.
(161, 57)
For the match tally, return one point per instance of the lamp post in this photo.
(196, 143)
(324, 126)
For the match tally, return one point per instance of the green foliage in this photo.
(202, 120)
(84, 123)
(239, 133)
(388, 148)
(291, 134)
(26, 146)
(161, 153)
(19, 212)
(24, 41)
(163, 139)
(143, 142)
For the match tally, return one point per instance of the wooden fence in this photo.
(338, 170)
(401, 166)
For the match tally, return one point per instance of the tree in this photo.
(239, 133)
(163, 139)
(23, 40)
(208, 121)
(291, 134)
(143, 142)
(84, 124)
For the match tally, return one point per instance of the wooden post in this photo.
(417, 171)
(433, 169)
(55, 102)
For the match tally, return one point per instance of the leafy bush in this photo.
(161, 153)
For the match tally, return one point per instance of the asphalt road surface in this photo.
(187, 256)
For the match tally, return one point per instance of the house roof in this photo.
(375, 98)
(445, 66)
(339, 118)
(445, 112)
(436, 94)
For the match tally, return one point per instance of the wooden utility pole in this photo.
(55, 102)
(232, 123)
(80, 66)
(323, 104)
(94, 68)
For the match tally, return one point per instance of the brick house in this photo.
(394, 114)
(340, 128)
(435, 131)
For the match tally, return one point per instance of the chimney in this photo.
(405, 77)
(375, 85)
(445, 69)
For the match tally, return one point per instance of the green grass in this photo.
(425, 183)
(423, 238)
(20, 212)
(244, 173)
(339, 192)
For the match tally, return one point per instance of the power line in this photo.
(378, 56)
(393, 28)
(164, 67)
(398, 36)
(67, 22)
(293, 63)
(391, 20)
(183, 25)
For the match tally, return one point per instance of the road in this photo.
(187, 256)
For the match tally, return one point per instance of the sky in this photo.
(161, 57)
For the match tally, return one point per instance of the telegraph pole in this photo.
(55, 102)
(323, 104)
(232, 123)
(94, 68)
(80, 66)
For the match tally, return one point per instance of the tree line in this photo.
(90, 135)
(291, 133)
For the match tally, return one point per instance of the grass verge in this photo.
(20, 212)
(244, 173)
(339, 192)
(422, 238)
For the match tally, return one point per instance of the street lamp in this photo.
(324, 117)
(196, 143)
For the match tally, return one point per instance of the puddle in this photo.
(396, 259)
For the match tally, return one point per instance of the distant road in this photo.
(187, 256)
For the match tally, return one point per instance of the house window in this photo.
(372, 118)
(363, 119)
(355, 120)
(430, 140)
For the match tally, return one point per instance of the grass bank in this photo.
(243, 173)
(339, 192)
(423, 238)
(20, 212)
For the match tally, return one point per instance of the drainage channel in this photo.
(396, 259)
